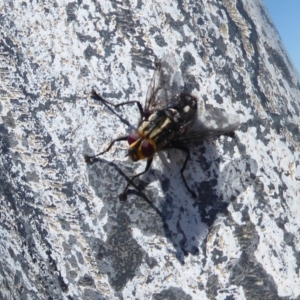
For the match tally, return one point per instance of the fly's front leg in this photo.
(123, 195)
(89, 159)
(137, 103)
(188, 156)
(99, 98)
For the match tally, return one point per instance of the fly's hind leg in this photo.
(188, 156)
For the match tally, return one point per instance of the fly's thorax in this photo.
(140, 147)
(159, 121)
(161, 126)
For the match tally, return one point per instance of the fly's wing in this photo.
(211, 123)
(166, 85)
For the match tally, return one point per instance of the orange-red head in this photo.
(140, 147)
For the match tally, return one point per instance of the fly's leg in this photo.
(89, 159)
(139, 105)
(99, 98)
(123, 195)
(188, 156)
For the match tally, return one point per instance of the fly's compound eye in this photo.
(147, 148)
(133, 137)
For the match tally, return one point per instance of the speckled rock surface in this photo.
(64, 233)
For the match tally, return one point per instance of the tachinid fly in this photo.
(170, 119)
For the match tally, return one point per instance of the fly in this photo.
(170, 119)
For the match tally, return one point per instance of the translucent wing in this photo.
(211, 123)
(166, 85)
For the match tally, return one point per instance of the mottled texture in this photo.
(64, 233)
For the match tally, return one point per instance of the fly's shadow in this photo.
(182, 220)
(189, 220)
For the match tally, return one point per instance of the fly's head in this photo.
(140, 147)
